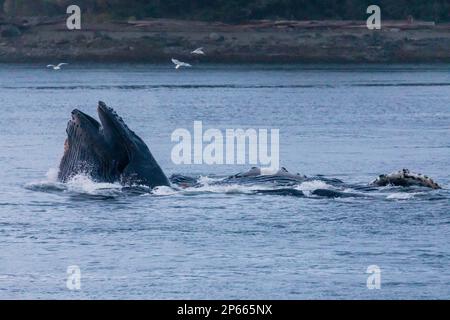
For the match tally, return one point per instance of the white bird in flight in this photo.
(198, 51)
(57, 67)
(179, 64)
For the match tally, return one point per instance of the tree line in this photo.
(235, 11)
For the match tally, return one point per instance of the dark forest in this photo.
(235, 11)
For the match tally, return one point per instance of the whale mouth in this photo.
(85, 149)
(117, 135)
(83, 126)
(108, 142)
(108, 150)
(80, 117)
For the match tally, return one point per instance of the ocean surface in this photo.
(212, 242)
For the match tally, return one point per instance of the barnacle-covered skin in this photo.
(405, 178)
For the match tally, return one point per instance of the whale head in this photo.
(133, 159)
(108, 151)
(85, 149)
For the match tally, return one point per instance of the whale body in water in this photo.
(108, 151)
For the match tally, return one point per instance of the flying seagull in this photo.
(198, 51)
(58, 67)
(179, 64)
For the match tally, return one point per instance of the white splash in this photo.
(205, 180)
(52, 175)
(268, 171)
(401, 196)
(313, 185)
(228, 188)
(163, 191)
(51, 182)
(82, 183)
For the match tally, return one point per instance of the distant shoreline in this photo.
(158, 40)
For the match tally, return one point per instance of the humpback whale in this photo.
(108, 151)
(405, 178)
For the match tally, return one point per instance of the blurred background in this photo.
(234, 10)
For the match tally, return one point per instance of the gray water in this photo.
(347, 122)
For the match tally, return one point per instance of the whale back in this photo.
(262, 175)
(405, 178)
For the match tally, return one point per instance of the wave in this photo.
(400, 196)
(309, 186)
(226, 86)
(79, 184)
(404, 84)
(83, 186)
(164, 86)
